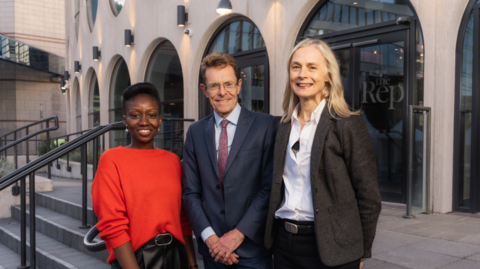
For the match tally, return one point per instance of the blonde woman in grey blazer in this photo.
(324, 202)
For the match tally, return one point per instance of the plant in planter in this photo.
(6, 167)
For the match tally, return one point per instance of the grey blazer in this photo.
(345, 194)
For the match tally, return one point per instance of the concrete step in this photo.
(49, 252)
(9, 259)
(60, 227)
(65, 207)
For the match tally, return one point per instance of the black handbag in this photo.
(161, 252)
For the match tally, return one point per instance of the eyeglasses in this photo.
(229, 86)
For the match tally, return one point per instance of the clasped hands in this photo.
(222, 249)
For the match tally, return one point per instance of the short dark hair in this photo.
(219, 60)
(141, 88)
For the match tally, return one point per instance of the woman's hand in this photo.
(361, 265)
(126, 257)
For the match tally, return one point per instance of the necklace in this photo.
(304, 121)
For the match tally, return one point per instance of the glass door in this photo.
(373, 70)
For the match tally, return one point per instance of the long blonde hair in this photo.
(333, 91)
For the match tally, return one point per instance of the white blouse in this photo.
(297, 201)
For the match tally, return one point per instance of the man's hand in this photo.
(225, 246)
(210, 241)
(361, 264)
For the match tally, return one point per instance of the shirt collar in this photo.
(232, 118)
(315, 117)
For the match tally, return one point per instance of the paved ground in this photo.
(427, 241)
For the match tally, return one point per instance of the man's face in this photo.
(222, 88)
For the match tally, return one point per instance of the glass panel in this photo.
(252, 93)
(92, 6)
(330, 17)
(94, 115)
(117, 6)
(419, 180)
(466, 116)
(21, 53)
(120, 82)
(76, 16)
(343, 59)
(419, 65)
(381, 77)
(165, 72)
(237, 37)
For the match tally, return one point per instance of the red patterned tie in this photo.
(223, 152)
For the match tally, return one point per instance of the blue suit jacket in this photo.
(247, 181)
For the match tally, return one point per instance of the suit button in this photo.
(316, 190)
(222, 212)
(217, 187)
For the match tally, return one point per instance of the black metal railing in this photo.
(16, 141)
(29, 169)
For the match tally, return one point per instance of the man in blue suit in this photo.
(228, 162)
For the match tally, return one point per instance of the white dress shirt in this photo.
(231, 128)
(297, 201)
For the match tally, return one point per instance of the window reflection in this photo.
(92, 7)
(120, 81)
(78, 108)
(94, 114)
(117, 6)
(252, 92)
(237, 37)
(333, 17)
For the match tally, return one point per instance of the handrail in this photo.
(18, 141)
(32, 124)
(54, 154)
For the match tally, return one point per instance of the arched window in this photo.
(78, 106)
(92, 8)
(120, 81)
(117, 6)
(242, 39)
(76, 15)
(465, 195)
(165, 72)
(379, 47)
(94, 102)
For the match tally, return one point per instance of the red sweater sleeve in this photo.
(109, 203)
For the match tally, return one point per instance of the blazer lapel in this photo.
(318, 141)
(210, 142)
(243, 126)
(281, 144)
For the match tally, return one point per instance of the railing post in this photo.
(23, 224)
(69, 169)
(28, 154)
(49, 166)
(58, 165)
(409, 214)
(32, 222)
(95, 156)
(15, 157)
(84, 186)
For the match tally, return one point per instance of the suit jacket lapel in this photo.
(243, 126)
(281, 144)
(210, 142)
(318, 141)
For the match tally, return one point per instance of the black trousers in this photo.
(150, 256)
(296, 251)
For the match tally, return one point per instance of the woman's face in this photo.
(308, 73)
(142, 119)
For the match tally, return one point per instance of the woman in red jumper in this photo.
(136, 193)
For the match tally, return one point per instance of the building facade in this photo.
(32, 50)
(393, 54)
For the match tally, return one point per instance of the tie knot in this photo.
(224, 123)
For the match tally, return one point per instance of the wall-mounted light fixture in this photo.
(77, 67)
(182, 16)
(188, 32)
(66, 76)
(224, 7)
(96, 54)
(128, 38)
(62, 86)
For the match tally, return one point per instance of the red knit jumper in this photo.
(136, 195)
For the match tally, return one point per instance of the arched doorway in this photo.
(120, 81)
(466, 187)
(379, 47)
(164, 70)
(93, 102)
(241, 38)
